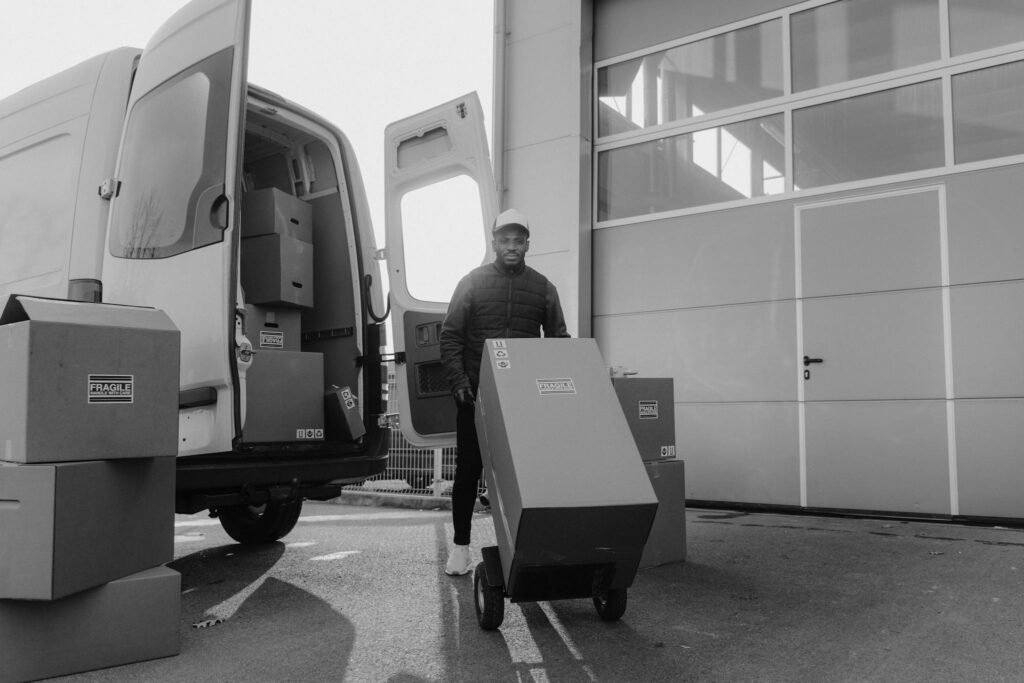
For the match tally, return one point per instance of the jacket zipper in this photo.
(508, 310)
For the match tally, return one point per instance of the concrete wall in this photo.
(543, 151)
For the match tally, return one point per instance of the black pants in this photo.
(468, 468)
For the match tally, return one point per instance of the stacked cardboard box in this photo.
(277, 249)
(649, 406)
(88, 427)
(284, 386)
(285, 399)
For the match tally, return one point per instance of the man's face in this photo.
(510, 246)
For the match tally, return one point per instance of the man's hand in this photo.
(464, 396)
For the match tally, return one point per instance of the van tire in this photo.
(611, 604)
(254, 524)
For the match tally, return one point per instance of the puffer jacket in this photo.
(493, 303)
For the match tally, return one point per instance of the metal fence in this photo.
(411, 471)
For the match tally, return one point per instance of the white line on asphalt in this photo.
(335, 556)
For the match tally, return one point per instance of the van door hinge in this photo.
(109, 188)
(397, 358)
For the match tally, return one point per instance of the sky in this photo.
(359, 63)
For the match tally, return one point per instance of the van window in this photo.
(172, 163)
(442, 236)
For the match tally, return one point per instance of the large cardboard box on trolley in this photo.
(571, 500)
(86, 381)
(132, 619)
(67, 527)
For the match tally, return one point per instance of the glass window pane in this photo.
(852, 39)
(980, 24)
(174, 154)
(443, 236)
(988, 113)
(884, 133)
(728, 70)
(737, 161)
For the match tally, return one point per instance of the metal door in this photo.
(443, 146)
(873, 313)
(171, 238)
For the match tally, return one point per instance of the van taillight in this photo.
(89, 291)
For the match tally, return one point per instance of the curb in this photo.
(398, 500)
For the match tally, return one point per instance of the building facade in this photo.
(809, 214)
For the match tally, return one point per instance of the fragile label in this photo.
(648, 410)
(556, 386)
(111, 389)
(307, 434)
(270, 339)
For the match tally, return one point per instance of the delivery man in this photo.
(500, 300)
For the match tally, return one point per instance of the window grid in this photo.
(943, 69)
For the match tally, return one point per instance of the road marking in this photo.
(188, 538)
(335, 556)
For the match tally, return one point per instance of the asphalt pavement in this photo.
(359, 593)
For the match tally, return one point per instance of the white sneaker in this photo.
(460, 561)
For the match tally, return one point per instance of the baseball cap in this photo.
(509, 218)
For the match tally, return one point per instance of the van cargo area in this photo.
(296, 265)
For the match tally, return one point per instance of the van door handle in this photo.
(808, 360)
(212, 207)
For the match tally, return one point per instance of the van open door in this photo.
(171, 238)
(440, 200)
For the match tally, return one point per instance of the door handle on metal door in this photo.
(808, 360)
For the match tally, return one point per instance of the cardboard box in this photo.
(277, 270)
(284, 397)
(667, 542)
(66, 527)
(341, 415)
(86, 381)
(132, 619)
(571, 500)
(649, 406)
(275, 329)
(271, 211)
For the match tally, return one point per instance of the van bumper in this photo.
(254, 477)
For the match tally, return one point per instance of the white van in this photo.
(161, 178)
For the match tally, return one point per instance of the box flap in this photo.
(20, 308)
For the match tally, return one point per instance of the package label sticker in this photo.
(501, 353)
(503, 364)
(648, 410)
(271, 340)
(563, 385)
(668, 451)
(111, 389)
(303, 434)
(500, 344)
(346, 393)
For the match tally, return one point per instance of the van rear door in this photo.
(439, 201)
(171, 238)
